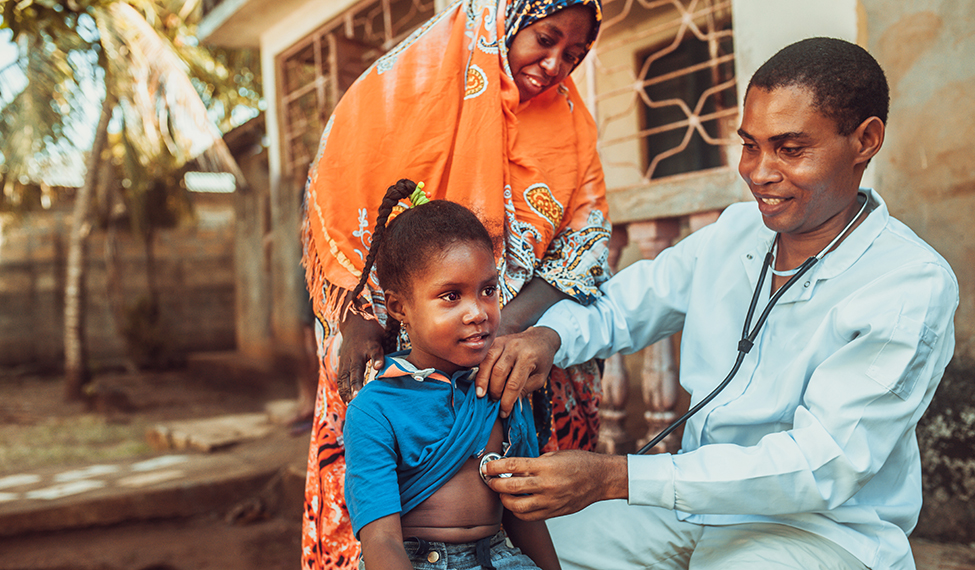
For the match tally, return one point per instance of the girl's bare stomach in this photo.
(463, 510)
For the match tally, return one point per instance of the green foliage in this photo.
(175, 98)
(48, 18)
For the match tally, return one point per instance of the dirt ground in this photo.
(38, 429)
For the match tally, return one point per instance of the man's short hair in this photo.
(847, 83)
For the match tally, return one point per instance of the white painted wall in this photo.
(277, 38)
(763, 27)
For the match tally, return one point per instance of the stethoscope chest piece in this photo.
(485, 459)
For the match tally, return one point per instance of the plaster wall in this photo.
(927, 173)
(926, 170)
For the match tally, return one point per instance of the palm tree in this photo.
(142, 54)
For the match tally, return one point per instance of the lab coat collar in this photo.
(833, 263)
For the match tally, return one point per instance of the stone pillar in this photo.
(701, 219)
(613, 437)
(659, 376)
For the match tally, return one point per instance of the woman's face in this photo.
(544, 53)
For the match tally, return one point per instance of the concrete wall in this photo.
(195, 274)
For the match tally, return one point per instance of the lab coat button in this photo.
(433, 557)
(806, 284)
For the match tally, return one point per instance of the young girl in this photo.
(415, 436)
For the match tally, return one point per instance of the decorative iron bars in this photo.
(315, 72)
(661, 83)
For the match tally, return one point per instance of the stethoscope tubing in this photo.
(748, 339)
(744, 345)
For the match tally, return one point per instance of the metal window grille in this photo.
(660, 82)
(315, 72)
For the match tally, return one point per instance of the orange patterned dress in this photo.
(442, 108)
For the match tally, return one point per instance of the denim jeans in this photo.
(445, 556)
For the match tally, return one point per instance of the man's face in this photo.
(802, 172)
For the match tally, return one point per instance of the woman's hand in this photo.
(361, 347)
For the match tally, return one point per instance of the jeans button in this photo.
(433, 556)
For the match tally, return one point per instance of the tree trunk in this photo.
(76, 372)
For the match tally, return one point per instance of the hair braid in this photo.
(402, 189)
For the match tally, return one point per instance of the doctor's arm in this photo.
(860, 401)
(857, 407)
(642, 304)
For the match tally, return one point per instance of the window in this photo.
(661, 85)
(686, 94)
(315, 72)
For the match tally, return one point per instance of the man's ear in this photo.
(868, 137)
(396, 307)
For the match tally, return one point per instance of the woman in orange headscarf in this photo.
(478, 104)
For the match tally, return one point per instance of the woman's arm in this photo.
(528, 305)
(382, 545)
(533, 539)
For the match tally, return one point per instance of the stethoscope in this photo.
(748, 338)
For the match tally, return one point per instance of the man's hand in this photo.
(557, 483)
(361, 347)
(517, 365)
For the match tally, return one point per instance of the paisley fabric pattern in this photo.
(442, 107)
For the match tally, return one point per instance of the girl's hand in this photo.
(361, 348)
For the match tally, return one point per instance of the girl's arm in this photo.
(532, 538)
(382, 544)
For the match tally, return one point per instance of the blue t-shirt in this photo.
(409, 431)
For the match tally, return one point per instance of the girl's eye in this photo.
(490, 290)
(452, 296)
(571, 58)
(544, 40)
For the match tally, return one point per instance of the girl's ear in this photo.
(396, 306)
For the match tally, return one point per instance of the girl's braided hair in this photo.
(412, 240)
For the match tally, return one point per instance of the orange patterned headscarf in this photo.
(442, 108)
